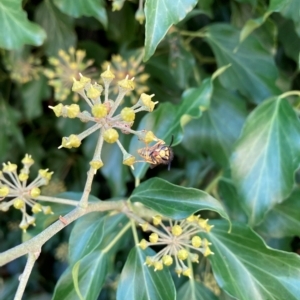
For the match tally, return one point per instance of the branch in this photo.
(34, 245)
(32, 257)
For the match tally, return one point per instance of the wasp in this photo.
(158, 154)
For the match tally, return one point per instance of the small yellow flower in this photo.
(128, 114)
(176, 230)
(187, 272)
(143, 244)
(157, 220)
(196, 241)
(145, 226)
(182, 254)
(73, 110)
(99, 110)
(110, 135)
(153, 238)
(158, 266)
(4, 191)
(167, 260)
(96, 164)
(36, 208)
(35, 192)
(19, 203)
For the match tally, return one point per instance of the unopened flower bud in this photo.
(153, 238)
(110, 135)
(36, 208)
(157, 220)
(73, 110)
(99, 110)
(143, 244)
(196, 241)
(4, 191)
(182, 254)
(96, 164)
(167, 260)
(19, 203)
(128, 114)
(176, 230)
(35, 192)
(47, 210)
(158, 266)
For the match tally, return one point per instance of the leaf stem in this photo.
(289, 93)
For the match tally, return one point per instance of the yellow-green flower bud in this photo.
(140, 15)
(182, 254)
(128, 159)
(149, 261)
(47, 210)
(96, 164)
(19, 203)
(84, 79)
(31, 220)
(191, 218)
(35, 192)
(187, 272)
(4, 191)
(94, 91)
(158, 266)
(167, 260)
(176, 230)
(9, 167)
(27, 160)
(65, 142)
(147, 102)
(74, 140)
(77, 86)
(149, 137)
(99, 110)
(107, 75)
(36, 208)
(53, 61)
(24, 225)
(143, 244)
(110, 135)
(207, 252)
(196, 241)
(73, 110)
(128, 114)
(23, 176)
(117, 5)
(57, 109)
(157, 220)
(145, 226)
(194, 257)
(153, 238)
(45, 174)
(178, 271)
(126, 84)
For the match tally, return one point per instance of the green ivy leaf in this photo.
(94, 232)
(193, 290)
(266, 157)
(88, 274)
(16, 29)
(174, 201)
(289, 9)
(243, 265)
(252, 72)
(59, 28)
(79, 8)
(284, 219)
(160, 16)
(219, 127)
(138, 281)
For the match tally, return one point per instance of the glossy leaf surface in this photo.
(174, 201)
(160, 16)
(243, 265)
(139, 281)
(16, 29)
(266, 157)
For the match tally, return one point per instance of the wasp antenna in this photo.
(172, 139)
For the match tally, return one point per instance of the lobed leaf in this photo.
(174, 201)
(138, 281)
(160, 16)
(16, 29)
(266, 157)
(252, 72)
(79, 8)
(247, 269)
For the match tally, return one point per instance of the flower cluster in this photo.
(22, 67)
(22, 194)
(103, 114)
(132, 67)
(66, 67)
(180, 238)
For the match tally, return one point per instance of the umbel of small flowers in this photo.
(132, 67)
(180, 239)
(66, 67)
(15, 186)
(104, 117)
